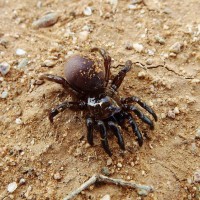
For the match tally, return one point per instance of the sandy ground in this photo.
(48, 161)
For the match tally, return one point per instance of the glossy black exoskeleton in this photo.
(88, 77)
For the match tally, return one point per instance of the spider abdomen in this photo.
(84, 74)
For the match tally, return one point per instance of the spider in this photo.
(88, 77)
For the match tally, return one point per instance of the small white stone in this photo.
(49, 63)
(12, 187)
(87, 11)
(196, 176)
(159, 39)
(20, 52)
(138, 47)
(22, 63)
(176, 110)
(57, 176)
(119, 165)
(83, 35)
(150, 52)
(4, 94)
(149, 61)
(176, 47)
(109, 162)
(46, 20)
(4, 68)
(171, 114)
(18, 121)
(106, 197)
(142, 74)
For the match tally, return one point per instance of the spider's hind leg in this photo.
(54, 78)
(140, 115)
(135, 128)
(141, 103)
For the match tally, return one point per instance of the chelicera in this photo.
(89, 79)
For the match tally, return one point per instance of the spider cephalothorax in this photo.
(88, 77)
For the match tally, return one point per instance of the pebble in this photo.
(138, 47)
(150, 52)
(142, 74)
(171, 114)
(105, 171)
(136, 1)
(22, 63)
(119, 165)
(4, 68)
(46, 20)
(159, 39)
(176, 110)
(142, 192)
(4, 94)
(83, 35)
(12, 187)
(176, 47)
(20, 52)
(106, 197)
(149, 61)
(87, 11)
(109, 162)
(198, 134)
(18, 121)
(57, 176)
(128, 45)
(4, 42)
(22, 181)
(49, 63)
(196, 176)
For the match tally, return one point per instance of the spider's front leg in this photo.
(104, 137)
(107, 62)
(66, 105)
(117, 81)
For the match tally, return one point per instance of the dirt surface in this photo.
(48, 161)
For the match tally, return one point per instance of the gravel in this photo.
(20, 52)
(23, 63)
(4, 94)
(47, 20)
(4, 68)
(106, 197)
(138, 47)
(87, 11)
(12, 187)
(48, 63)
(176, 48)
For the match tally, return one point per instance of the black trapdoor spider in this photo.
(89, 78)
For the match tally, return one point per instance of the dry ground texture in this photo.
(47, 161)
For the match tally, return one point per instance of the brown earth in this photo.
(37, 152)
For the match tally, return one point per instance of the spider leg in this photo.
(54, 78)
(135, 128)
(104, 139)
(107, 62)
(90, 127)
(143, 117)
(142, 104)
(117, 133)
(65, 105)
(120, 76)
